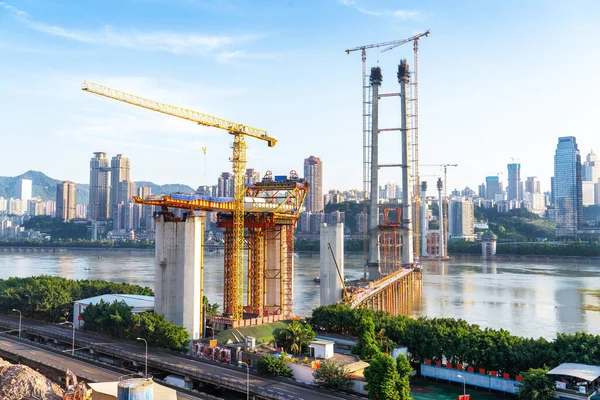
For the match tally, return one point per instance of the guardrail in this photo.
(162, 365)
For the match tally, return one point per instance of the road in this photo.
(81, 369)
(165, 358)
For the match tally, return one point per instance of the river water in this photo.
(525, 298)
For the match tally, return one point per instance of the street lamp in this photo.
(213, 331)
(146, 369)
(15, 310)
(247, 379)
(464, 385)
(73, 340)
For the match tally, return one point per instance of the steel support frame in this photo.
(256, 270)
(287, 287)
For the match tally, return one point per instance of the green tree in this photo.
(367, 346)
(404, 370)
(382, 378)
(537, 385)
(211, 309)
(273, 366)
(295, 337)
(333, 376)
(117, 320)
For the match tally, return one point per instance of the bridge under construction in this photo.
(259, 222)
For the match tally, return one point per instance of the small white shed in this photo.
(138, 303)
(321, 349)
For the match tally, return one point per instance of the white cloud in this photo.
(402, 14)
(168, 41)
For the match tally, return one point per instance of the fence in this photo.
(483, 380)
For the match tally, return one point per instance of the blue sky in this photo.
(498, 79)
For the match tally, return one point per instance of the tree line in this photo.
(116, 319)
(459, 342)
(50, 298)
(568, 249)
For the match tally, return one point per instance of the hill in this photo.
(45, 187)
(42, 186)
(166, 189)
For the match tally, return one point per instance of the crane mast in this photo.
(233, 290)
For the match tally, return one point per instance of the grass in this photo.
(591, 292)
(594, 292)
(262, 333)
(421, 389)
(588, 307)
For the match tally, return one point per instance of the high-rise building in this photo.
(24, 189)
(313, 173)
(514, 182)
(99, 187)
(225, 185)
(81, 211)
(66, 203)
(144, 191)
(251, 176)
(119, 172)
(50, 208)
(587, 193)
(461, 218)
(481, 189)
(567, 187)
(590, 169)
(147, 211)
(493, 187)
(532, 185)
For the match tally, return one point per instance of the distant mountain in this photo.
(45, 187)
(42, 186)
(166, 189)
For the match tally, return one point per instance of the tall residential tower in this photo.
(99, 187)
(313, 173)
(66, 200)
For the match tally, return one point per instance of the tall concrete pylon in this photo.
(373, 261)
(407, 187)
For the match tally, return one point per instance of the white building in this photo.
(588, 193)
(24, 189)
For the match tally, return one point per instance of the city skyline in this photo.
(458, 120)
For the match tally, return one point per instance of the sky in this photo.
(498, 81)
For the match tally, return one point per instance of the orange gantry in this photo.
(271, 208)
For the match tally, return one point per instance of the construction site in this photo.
(260, 219)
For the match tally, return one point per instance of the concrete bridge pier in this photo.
(178, 270)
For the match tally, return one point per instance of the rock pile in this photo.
(21, 382)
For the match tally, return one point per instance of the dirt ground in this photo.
(21, 382)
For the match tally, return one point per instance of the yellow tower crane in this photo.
(234, 302)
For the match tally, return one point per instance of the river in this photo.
(525, 298)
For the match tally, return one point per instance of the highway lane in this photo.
(136, 351)
(81, 369)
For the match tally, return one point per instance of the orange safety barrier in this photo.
(464, 397)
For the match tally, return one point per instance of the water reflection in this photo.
(528, 299)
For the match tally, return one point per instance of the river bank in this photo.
(529, 258)
(60, 249)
